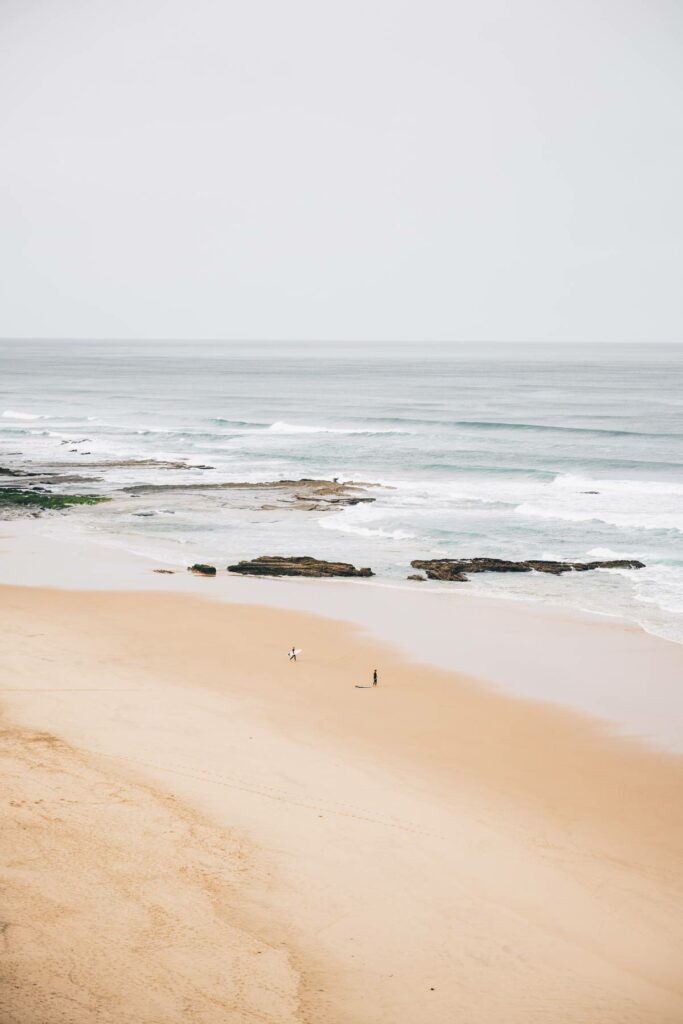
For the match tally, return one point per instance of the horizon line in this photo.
(326, 341)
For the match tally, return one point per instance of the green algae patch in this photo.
(46, 500)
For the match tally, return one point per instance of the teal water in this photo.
(511, 451)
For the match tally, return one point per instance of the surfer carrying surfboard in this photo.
(292, 654)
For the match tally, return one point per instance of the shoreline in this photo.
(356, 855)
(599, 665)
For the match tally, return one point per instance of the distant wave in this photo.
(280, 427)
(10, 414)
(552, 428)
(539, 427)
(466, 469)
(238, 423)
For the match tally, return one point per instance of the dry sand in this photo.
(195, 829)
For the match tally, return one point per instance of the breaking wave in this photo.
(281, 427)
(10, 414)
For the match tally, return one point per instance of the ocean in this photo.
(512, 451)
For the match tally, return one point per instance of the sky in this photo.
(499, 170)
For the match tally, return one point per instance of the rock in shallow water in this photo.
(305, 495)
(202, 570)
(452, 569)
(296, 565)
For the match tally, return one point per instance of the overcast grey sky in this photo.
(439, 169)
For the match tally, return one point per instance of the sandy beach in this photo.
(351, 332)
(196, 829)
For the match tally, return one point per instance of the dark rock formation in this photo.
(7, 471)
(418, 579)
(167, 572)
(440, 569)
(202, 570)
(458, 569)
(299, 565)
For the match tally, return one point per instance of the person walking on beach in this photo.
(292, 654)
(374, 678)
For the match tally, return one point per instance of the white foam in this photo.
(365, 531)
(281, 427)
(353, 520)
(10, 414)
(627, 504)
(574, 482)
(609, 553)
(636, 521)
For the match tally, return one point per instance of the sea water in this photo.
(560, 452)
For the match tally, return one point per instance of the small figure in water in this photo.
(292, 654)
(374, 678)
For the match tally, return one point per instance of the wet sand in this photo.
(598, 665)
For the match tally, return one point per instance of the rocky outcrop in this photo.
(459, 570)
(417, 578)
(440, 569)
(202, 570)
(304, 495)
(296, 565)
